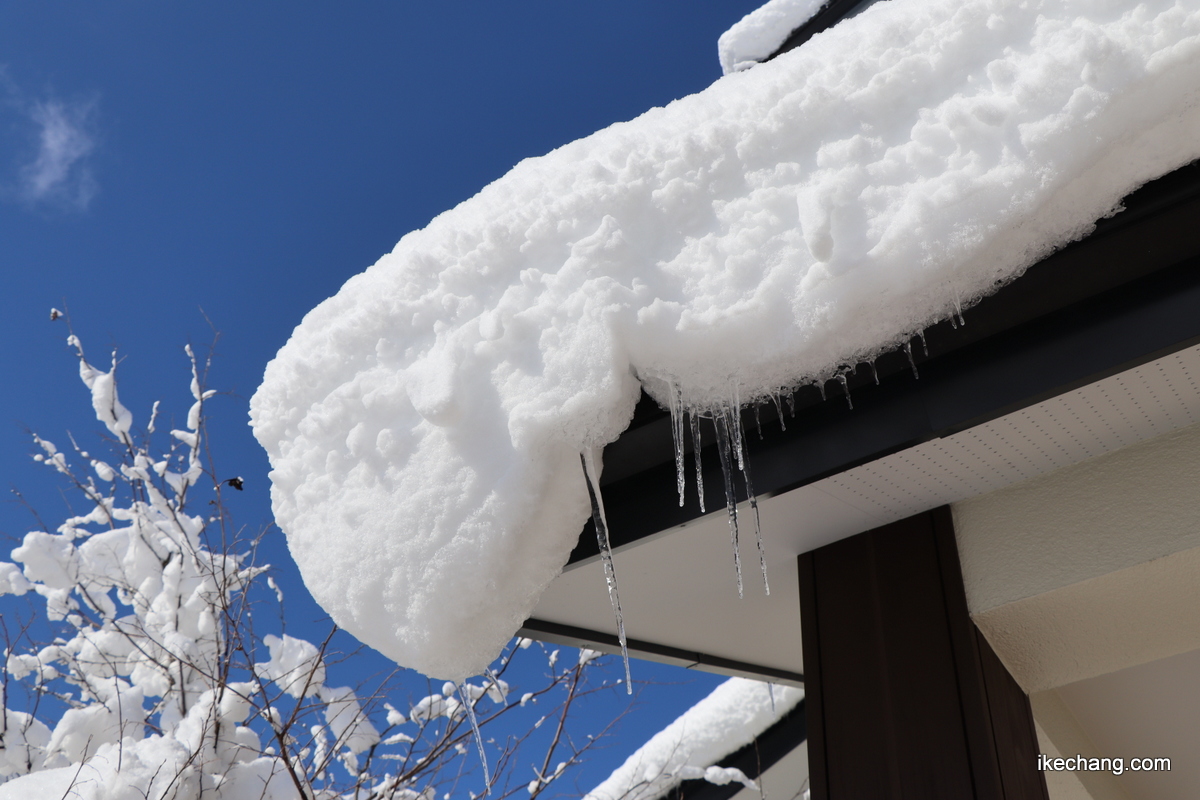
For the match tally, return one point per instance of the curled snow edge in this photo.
(760, 33)
(425, 423)
(732, 716)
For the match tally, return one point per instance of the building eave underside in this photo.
(1126, 295)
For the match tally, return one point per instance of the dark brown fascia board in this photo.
(572, 636)
(1125, 295)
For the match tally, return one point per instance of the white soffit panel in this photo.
(677, 588)
(1121, 410)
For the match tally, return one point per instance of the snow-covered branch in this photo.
(154, 681)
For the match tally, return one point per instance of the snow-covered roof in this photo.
(425, 424)
(731, 716)
(760, 33)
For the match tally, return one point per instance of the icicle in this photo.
(695, 419)
(758, 422)
(841, 378)
(874, 372)
(735, 420)
(962, 321)
(779, 411)
(821, 389)
(911, 362)
(744, 465)
(602, 539)
(466, 698)
(924, 344)
(721, 420)
(676, 401)
(791, 400)
(953, 322)
(771, 694)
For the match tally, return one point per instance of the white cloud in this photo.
(59, 172)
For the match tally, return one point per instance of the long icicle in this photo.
(695, 419)
(735, 420)
(466, 698)
(841, 378)
(676, 400)
(911, 362)
(744, 465)
(779, 411)
(610, 573)
(721, 420)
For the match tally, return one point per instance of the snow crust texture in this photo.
(761, 32)
(425, 424)
(732, 716)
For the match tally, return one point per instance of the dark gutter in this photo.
(753, 760)
(571, 636)
(1127, 294)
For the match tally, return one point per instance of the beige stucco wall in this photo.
(1092, 568)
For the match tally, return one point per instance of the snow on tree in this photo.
(425, 424)
(156, 683)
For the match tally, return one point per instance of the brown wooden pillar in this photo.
(905, 698)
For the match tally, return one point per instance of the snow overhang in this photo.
(426, 424)
(1092, 350)
(826, 16)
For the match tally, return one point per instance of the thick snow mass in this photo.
(425, 424)
(760, 33)
(732, 716)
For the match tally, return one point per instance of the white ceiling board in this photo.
(697, 562)
(1152, 710)
(698, 559)
(1118, 411)
(678, 588)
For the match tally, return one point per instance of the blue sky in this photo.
(165, 164)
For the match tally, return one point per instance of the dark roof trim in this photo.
(830, 14)
(571, 636)
(753, 760)
(1125, 295)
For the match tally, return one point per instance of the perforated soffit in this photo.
(1132, 406)
(1138, 404)
(677, 586)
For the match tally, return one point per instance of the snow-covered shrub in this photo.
(153, 681)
